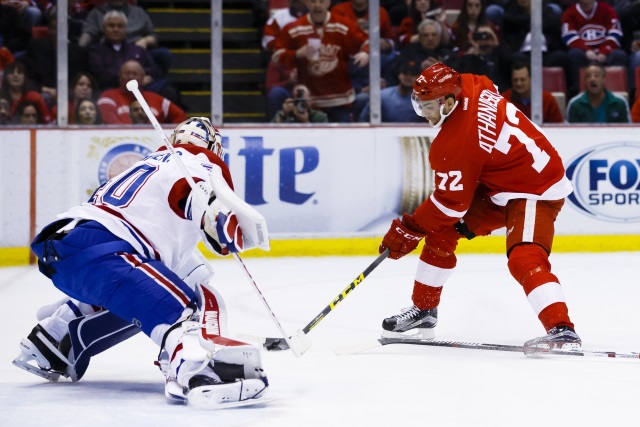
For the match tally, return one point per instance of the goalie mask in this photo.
(431, 89)
(200, 132)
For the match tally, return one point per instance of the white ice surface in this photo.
(389, 386)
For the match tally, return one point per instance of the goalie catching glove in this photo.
(222, 230)
(402, 237)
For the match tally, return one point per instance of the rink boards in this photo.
(323, 190)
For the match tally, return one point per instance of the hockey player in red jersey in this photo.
(493, 168)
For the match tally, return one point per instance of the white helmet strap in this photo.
(443, 116)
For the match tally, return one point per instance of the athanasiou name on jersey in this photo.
(487, 111)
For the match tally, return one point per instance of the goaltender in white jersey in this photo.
(128, 261)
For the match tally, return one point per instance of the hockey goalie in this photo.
(128, 261)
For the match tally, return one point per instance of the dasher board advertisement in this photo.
(308, 181)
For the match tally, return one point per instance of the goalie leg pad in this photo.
(91, 335)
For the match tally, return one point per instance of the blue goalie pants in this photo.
(96, 267)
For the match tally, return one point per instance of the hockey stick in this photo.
(275, 344)
(132, 86)
(531, 352)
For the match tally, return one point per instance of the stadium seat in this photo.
(451, 10)
(39, 32)
(553, 79)
(451, 4)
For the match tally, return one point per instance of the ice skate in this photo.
(48, 356)
(207, 391)
(211, 373)
(559, 338)
(411, 323)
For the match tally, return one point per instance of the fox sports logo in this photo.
(606, 182)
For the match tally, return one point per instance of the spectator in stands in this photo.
(279, 79)
(596, 104)
(298, 109)
(106, 57)
(483, 57)
(630, 22)
(357, 11)
(472, 14)
(279, 84)
(137, 114)
(516, 38)
(520, 94)
(419, 10)
(397, 10)
(29, 13)
(592, 33)
(319, 45)
(395, 101)
(6, 58)
(139, 31)
(17, 88)
(425, 52)
(87, 112)
(40, 60)
(14, 34)
(83, 85)
(496, 9)
(114, 103)
(5, 111)
(279, 20)
(28, 113)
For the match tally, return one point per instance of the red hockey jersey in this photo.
(274, 26)
(328, 77)
(346, 9)
(114, 107)
(599, 30)
(487, 140)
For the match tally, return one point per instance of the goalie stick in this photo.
(276, 344)
(299, 346)
(531, 352)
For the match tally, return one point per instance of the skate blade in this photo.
(223, 397)
(207, 405)
(173, 391)
(23, 363)
(541, 350)
(418, 333)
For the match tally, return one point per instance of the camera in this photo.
(481, 35)
(299, 102)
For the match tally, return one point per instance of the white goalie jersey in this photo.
(150, 204)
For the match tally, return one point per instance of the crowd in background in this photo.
(318, 58)
(110, 43)
(582, 38)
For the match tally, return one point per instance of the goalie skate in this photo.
(229, 395)
(41, 355)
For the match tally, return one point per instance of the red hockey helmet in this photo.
(437, 81)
